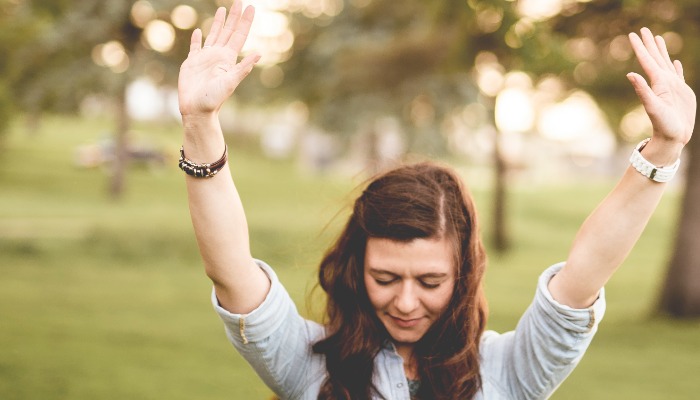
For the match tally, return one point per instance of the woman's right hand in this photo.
(211, 72)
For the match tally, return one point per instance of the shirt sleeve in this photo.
(275, 340)
(547, 344)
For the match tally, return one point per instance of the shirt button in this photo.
(399, 385)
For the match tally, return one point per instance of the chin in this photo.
(405, 337)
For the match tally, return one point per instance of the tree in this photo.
(602, 27)
(97, 47)
(411, 59)
(374, 60)
(18, 28)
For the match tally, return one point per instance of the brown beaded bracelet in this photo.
(202, 170)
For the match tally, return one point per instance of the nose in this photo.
(406, 300)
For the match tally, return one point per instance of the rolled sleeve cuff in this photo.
(577, 320)
(259, 323)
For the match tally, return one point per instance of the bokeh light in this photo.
(160, 35)
(271, 37)
(111, 55)
(674, 42)
(489, 73)
(184, 17)
(620, 48)
(539, 9)
(581, 49)
(489, 19)
(635, 124)
(514, 110)
(142, 13)
(570, 119)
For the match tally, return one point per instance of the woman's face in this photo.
(409, 284)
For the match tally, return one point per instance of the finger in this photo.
(196, 41)
(248, 62)
(233, 17)
(663, 50)
(240, 35)
(679, 69)
(644, 92)
(652, 48)
(242, 69)
(648, 64)
(219, 18)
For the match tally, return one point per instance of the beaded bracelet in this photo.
(202, 170)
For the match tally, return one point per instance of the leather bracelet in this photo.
(651, 171)
(206, 170)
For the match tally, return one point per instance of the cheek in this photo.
(378, 295)
(438, 301)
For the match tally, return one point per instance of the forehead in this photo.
(416, 257)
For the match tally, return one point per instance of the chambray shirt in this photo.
(527, 363)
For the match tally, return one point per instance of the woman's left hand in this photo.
(669, 101)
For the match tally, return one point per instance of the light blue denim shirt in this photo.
(527, 363)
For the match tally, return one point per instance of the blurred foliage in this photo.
(377, 57)
(54, 68)
(411, 59)
(57, 53)
(596, 43)
(385, 58)
(49, 48)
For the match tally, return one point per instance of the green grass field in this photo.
(108, 300)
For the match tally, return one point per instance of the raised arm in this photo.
(207, 78)
(610, 232)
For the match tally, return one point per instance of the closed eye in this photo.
(382, 282)
(429, 285)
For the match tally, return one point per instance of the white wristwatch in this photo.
(651, 171)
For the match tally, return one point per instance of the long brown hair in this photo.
(422, 200)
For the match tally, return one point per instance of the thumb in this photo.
(241, 70)
(641, 87)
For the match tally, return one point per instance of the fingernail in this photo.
(631, 77)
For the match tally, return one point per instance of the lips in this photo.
(405, 323)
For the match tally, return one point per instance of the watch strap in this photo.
(651, 171)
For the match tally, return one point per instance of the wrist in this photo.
(199, 121)
(203, 139)
(660, 170)
(661, 152)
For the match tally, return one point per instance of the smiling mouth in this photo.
(405, 323)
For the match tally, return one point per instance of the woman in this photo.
(406, 312)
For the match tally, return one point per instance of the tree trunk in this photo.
(116, 186)
(501, 242)
(680, 295)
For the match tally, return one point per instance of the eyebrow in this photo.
(435, 275)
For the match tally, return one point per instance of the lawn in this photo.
(103, 299)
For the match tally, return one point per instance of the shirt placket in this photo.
(393, 364)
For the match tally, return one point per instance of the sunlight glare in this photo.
(569, 119)
(539, 9)
(514, 110)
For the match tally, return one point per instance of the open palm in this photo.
(669, 101)
(211, 72)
